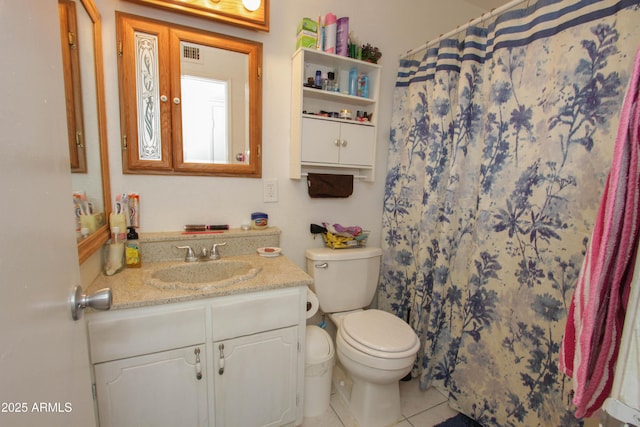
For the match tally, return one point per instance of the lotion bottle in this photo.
(132, 251)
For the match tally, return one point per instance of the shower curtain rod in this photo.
(459, 28)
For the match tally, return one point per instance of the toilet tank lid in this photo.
(328, 254)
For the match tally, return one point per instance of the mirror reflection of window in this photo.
(205, 120)
(214, 129)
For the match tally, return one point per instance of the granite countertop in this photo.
(130, 290)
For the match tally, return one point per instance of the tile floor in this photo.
(419, 408)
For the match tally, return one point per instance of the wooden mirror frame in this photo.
(94, 241)
(169, 36)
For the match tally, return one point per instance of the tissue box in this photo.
(306, 39)
(308, 24)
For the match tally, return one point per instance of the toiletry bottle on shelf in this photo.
(353, 82)
(330, 29)
(363, 87)
(331, 84)
(133, 256)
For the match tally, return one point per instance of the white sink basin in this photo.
(201, 275)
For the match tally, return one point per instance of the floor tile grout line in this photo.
(337, 416)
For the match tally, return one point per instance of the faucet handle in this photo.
(190, 256)
(214, 250)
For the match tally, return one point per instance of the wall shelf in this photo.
(323, 144)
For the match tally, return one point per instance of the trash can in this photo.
(318, 368)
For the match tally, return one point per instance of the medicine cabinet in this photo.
(190, 100)
(323, 137)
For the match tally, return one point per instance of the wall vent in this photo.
(191, 53)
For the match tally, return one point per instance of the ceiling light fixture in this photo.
(251, 5)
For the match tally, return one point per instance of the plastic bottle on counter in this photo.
(132, 251)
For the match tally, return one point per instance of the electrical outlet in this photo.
(270, 187)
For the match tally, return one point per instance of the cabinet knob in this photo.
(337, 142)
(343, 142)
(163, 98)
(176, 100)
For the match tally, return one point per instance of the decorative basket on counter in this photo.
(336, 241)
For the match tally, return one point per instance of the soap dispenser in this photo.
(133, 255)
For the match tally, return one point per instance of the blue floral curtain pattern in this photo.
(500, 147)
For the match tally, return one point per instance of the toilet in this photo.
(375, 348)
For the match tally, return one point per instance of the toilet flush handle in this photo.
(323, 265)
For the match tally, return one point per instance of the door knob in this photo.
(101, 300)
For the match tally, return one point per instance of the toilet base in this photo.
(352, 406)
(375, 405)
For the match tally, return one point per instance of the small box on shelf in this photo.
(306, 39)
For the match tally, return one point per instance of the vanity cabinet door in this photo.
(161, 389)
(255, 379)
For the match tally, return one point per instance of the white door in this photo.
(44, 365)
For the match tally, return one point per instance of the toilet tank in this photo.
(344, 279)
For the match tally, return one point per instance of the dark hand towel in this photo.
(323, 185)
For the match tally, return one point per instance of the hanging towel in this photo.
(596, 315)
(322, 185)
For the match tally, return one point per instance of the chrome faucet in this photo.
(190, 256)
(214, 250)
(205, 254)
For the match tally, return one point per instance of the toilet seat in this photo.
(379, 334)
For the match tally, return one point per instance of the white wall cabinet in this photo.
(331, 144)
(327, 142)
(227, 361)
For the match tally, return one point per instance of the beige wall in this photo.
(170, 202)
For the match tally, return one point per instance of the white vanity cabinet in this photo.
(227, 361)
(255, 381)
(159, 389)
(332, 144)
(149, 366)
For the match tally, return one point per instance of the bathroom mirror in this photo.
(190, 100)
(81, 43)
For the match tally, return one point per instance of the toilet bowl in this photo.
(377, 349)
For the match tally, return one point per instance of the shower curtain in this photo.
(500, 146)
